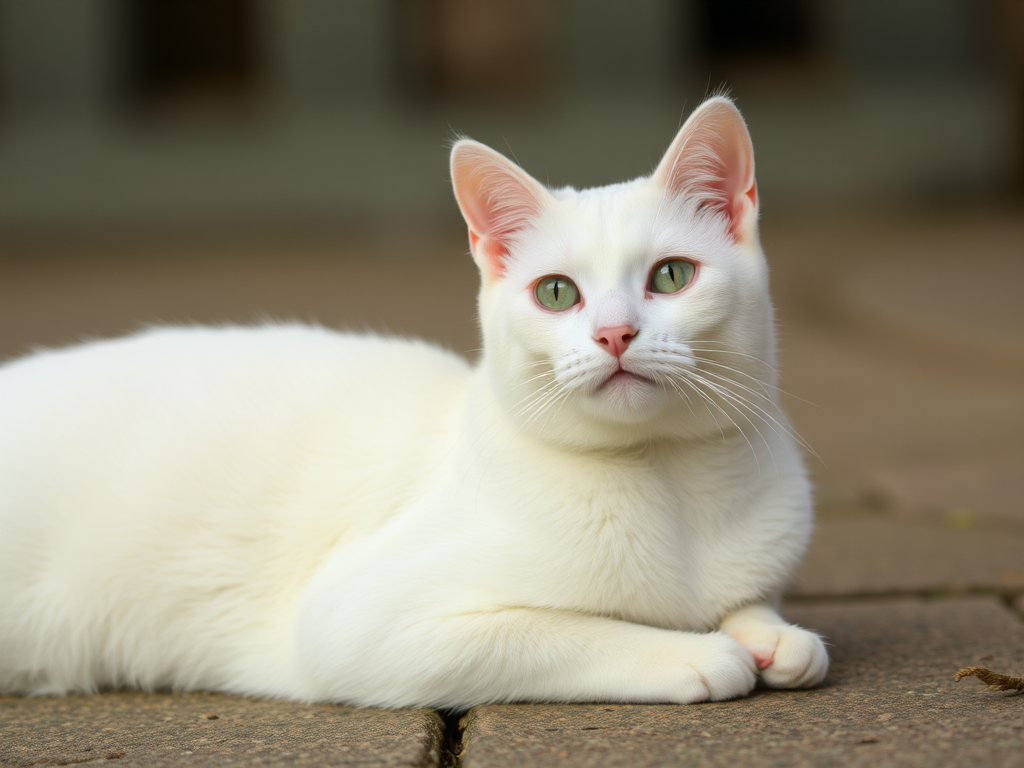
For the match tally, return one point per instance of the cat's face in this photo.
(614, 315)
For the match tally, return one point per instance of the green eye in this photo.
(557, 292)
(672, 276)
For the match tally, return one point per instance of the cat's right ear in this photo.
(497, 199)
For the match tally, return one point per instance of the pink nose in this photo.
(616, 339)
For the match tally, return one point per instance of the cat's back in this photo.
(160, 362)
(217, 411)
(228, 392)
(180, 369)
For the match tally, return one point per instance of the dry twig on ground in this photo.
(993, 680)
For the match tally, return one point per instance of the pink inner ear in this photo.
(713, 160)
(490, 251)
(497, 199)
(738, 190)
(738, 186)
(737, 217)
(484, 232)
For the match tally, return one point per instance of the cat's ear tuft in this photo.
(497, 199)
(712, 160)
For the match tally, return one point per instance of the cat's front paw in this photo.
(721, 669)
(788, 656)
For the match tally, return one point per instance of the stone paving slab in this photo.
(890, 700)
(882, 554)
(971, 492)
(144, 729)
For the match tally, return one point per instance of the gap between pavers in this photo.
(889, 700)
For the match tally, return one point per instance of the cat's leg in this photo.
(787, 655)
(501, 654)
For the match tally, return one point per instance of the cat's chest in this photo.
(647, 541)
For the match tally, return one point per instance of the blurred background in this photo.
(232, 160)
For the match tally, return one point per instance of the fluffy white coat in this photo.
(294, 512)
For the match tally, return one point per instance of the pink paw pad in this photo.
(763, 659)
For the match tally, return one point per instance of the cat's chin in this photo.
(626, 398)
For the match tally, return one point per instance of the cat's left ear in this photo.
(712, 159)
(497, 198)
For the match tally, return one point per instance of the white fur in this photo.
(289, 511)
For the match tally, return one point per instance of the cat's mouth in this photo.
(622, 377)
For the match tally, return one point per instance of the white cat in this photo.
(293, 512)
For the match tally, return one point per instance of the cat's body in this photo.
(294, 512)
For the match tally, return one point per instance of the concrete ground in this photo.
(902, 343)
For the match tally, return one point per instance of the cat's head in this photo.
(619, 314)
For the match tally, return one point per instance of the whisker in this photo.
(704, 401)
(738, 404)
(540, 375)
(710, 401)
(764, 395)
(532, 400)
(535, 392)
(765, 417)
(558, 395)
(759, 382)
(531, 364)
(730, 351)
(663, 379)
(763, 385)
